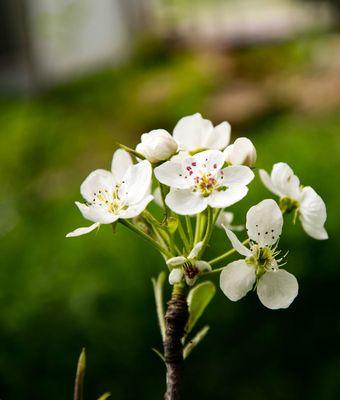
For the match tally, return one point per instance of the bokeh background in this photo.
(77, 76)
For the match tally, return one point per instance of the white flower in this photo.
(121, 193)
(157, 145)
(200, 181)
(225, 219)
(188, 267)
(276, 288)
(307, 203)
(193, 133)
(241, 152)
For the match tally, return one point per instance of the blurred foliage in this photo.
(58, 295)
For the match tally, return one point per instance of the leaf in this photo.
(198, 299)
(194, 342)
(79, 382)
(158, 292)
(104, 396)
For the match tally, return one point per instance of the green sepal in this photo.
(198, 299)
(171, 224)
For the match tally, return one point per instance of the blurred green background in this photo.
(58, 295)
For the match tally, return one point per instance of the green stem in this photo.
(163, 194)
(222, 257)
(156, 245)
(183, 235)
(208, 232)
(189, 229)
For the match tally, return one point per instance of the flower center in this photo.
(190, 270)
(109, 200)
(205, 180)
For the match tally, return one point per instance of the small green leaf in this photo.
(198, 299)
(79, 382)
(194, 341)
(104, 396)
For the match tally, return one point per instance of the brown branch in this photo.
(176, 318)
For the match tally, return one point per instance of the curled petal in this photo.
(196, 249)
(83, 231)
(266, 180)
(284, 180)
(237, 245)
(264, 222)
(176, 261)
(277, 289)
(236, 279)
(313, 214)
(175, 276)
(203, 266)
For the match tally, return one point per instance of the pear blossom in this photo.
(123, 192)
(241, 152)
(275, 287)
(201, 181)
(225, 220)
(194, 133)
(187, 267)
(157, 145)
(308, 205)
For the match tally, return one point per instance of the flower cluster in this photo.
(195, 174)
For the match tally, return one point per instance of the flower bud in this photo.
(242, 152)
(157, 145)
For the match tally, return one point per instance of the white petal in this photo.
(277, 289)
(121, 161)
(173, 174)
(83, 231)
(190, 132)
(218, 138)
(237, 175)
(202, 266)
(313, 214)
(266, 180)
(135, 209)
(285, 181)
(237, 245)
(264, 222)
(213, 160)
(236, 279)
(185, 202)
(176, 261)
(196, 249)
(190, 281)
(136, 182)
(225, 198)
(96, 214)
(100, 179)
(175, 276)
